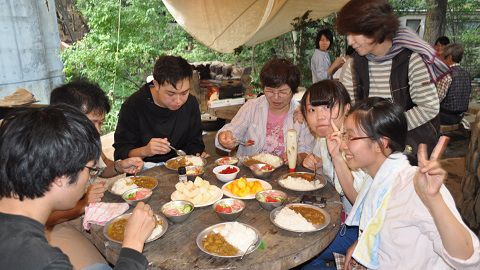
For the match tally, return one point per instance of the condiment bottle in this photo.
(182, 174)
(292, 149)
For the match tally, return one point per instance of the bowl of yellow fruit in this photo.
(245, 188)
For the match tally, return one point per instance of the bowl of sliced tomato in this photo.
(271, 199)
(229, 209)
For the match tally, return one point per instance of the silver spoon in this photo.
(179, 152)
(248, 249)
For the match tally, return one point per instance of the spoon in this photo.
(249, 247)
(314, 171)
(179, 152)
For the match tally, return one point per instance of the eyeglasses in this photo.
(94, 171)
(348, 138)
(281, 93)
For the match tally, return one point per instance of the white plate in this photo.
(204, 160)
(318, 227)
(217, 228)
(227, 192)
(320, 177)
(127, 216)
(218, 196)
(113, 182)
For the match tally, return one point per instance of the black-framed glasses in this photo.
(94, 171)
(348, 138)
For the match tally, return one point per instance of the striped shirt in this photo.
(422, 92)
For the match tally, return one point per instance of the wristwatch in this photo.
(115, 167)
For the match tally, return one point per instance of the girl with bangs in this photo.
(407, 218)
(324, 106)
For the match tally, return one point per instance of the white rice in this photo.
(269, 159)
(121, 185)
(155, 232)
(196, 161)
(239, 236)
(298, 183)
(289, 219)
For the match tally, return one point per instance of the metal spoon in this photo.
(249, 247)
(179, 152)
(315, 171)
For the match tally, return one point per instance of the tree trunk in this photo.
(61, 9)
(435, 20)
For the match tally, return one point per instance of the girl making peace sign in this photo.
(406, 216)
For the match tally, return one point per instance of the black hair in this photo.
(326, 92)
(171, 69)
(39, 145)
(279, 71)
(350, 50)
(442, 40)
(328, 34)
(380, 118)
(82, 94)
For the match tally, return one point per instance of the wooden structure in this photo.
(177, 248)
(470, 208)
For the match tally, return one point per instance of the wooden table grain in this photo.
(177, 248)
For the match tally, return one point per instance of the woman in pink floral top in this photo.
(266, 119)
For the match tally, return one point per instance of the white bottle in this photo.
(292, 149)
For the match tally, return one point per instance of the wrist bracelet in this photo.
(115, 167)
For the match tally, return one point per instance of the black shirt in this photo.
(23, 245)
(140, 120)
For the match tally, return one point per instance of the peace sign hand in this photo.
(429, 178)
(334, 140)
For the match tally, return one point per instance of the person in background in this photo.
(324, 106)
(321, 66)
(346, 63)
(161, 114)
(440, 44)
(47, 157)
(266, 119)
(406, 216)
(393, 62)
(91, 100)
(455, 100)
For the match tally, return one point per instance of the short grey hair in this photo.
(455, 50)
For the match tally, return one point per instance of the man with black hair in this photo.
(90, 99)
(47, 156)
(161, 115)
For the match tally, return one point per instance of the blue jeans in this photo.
(339, 245)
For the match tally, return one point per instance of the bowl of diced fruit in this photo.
(271, 199)
(136, 195)
(226, 173)
(229, 209)
(194, 171)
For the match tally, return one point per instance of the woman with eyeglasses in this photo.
(266, 119)
(406, 216)
(324, 106)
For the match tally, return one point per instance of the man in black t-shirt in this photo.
(159, 115)
(47, 156)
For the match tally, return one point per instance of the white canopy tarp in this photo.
(224, 25)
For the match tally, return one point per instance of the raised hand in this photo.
(334, 140)
(312, 162)
(130, 165)
(157, 146)
(226, 139)
(95, 193)
(298, 116)
(429, 178)
(139, 227)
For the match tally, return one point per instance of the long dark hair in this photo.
(380, 118)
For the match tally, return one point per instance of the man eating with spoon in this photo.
(159, 115)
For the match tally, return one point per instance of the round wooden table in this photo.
(177, 247)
